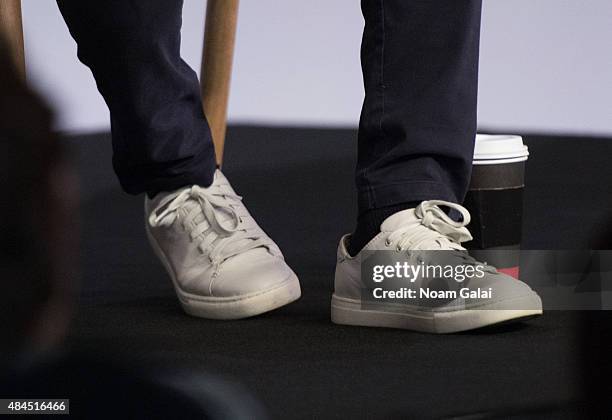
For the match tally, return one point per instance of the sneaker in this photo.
(427, 228)
(222, 264)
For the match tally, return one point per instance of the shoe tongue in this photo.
(221, 180)
(397, 220)
(218, 177)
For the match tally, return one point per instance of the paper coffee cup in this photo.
(495, 200)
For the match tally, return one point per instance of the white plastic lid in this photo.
(499, 149)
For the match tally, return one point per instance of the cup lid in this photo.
(498, 149)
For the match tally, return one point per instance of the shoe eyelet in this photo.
(398, 248)
(387, 243)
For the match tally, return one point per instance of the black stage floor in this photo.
(298, 184)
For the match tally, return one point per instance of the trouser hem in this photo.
(373, 197)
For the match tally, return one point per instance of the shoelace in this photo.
(217, 239)
(433, 225)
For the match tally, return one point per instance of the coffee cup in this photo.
(495, 200)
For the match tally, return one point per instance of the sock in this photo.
(368, 224)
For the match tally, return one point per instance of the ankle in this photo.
(368, 224)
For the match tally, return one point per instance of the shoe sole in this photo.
(347, 311)
(240, 307)
(235, 307)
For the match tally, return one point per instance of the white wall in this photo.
(546, 65)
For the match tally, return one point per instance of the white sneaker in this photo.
(413, 231)
(222, 264)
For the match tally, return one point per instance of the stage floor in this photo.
(298, 183)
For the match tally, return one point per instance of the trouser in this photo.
(418, 122)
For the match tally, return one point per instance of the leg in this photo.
(222, 264)
(161, 140)
(416, 139)
(418, 122)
